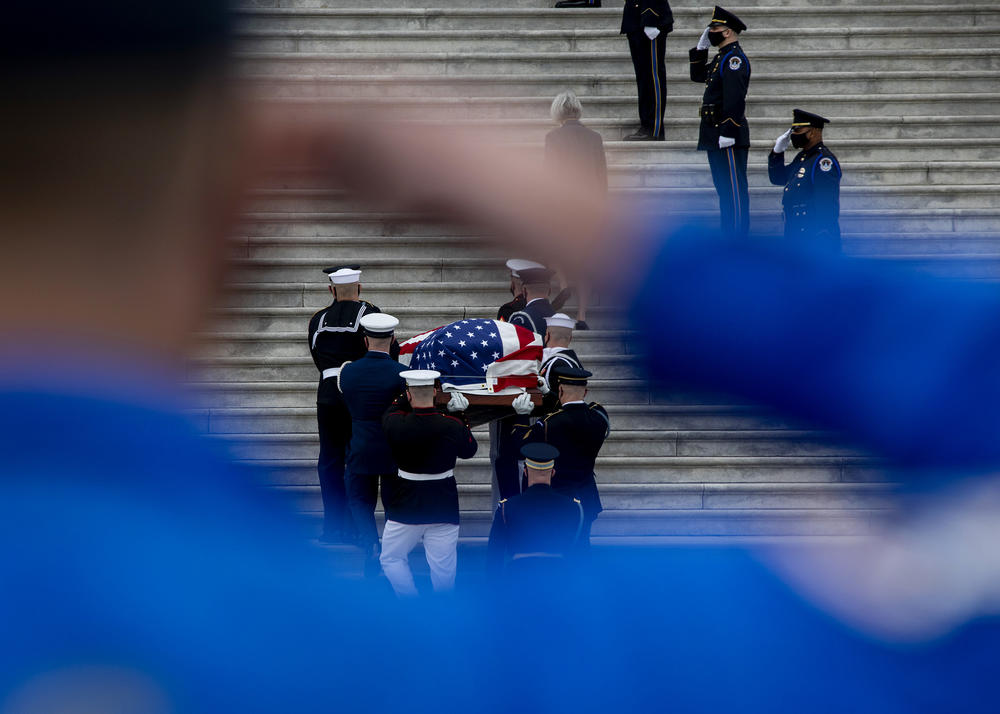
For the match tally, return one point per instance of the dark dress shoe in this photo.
(581, 325)
(642, 135)
(578, 3)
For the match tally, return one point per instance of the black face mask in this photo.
(716, 38)
(799, 141)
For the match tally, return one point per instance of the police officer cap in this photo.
(379, 324)
(535, 276)
(560, 319)
(724, 17)
(516, 265)
(802, 118)
(573, 377)
(420, 377)
(539, 456)
(344, 276)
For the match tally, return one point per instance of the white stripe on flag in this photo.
(508, 336)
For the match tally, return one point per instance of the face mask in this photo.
(799, 141)
(716, 38)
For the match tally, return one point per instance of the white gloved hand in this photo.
(651, 32)
(458, 402)
(703, 43)
(522, 404)
(725, 142)
(543, 386)
(783, 142)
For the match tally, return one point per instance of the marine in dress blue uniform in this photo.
(370, 385)
(534, 532)
(578, 430)
(335, 337)
(646, 24)
(724, 133)
(811, 199)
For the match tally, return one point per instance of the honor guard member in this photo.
(422, 502)
(555, 356)
(335, 337)
(646, 24)
(811, 200)
(370, 385)
(515, 265)
(578, 430)
(536, 287)
(534, 532)
(724, 133)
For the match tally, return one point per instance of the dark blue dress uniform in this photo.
(561, 360)
(723, 114)
(532, 316)
(647, 60)
(369, 385)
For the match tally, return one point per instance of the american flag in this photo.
(471, 355)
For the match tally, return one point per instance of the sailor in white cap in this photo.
(370, 385)
(335, 337)
(422, 502)
(516, 265)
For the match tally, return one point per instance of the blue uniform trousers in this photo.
(729, 174)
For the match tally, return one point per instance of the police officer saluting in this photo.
(335, 337)
(811, 200)
(724, 133)
(646, 24)
(535, 531)
(370, 385)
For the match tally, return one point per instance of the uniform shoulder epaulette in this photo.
(549, 416)
(501, 501)
(597, 405)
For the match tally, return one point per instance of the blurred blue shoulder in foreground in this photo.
(902, 363)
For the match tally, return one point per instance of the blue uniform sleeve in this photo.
(904, 364)
(777, 171)
(826, 196)
(735, 71)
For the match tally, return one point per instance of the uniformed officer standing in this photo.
(534, 532)
(335, 338)
(370, 385)
(811, 200)
(724, 133)
(646, 24)
(555, 356)
(422, 502)
(578, 431)
(537, 286)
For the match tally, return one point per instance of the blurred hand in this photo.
(783, 142)
(651, 32)
(458, 402)
(522, 404)
(703, 43)
(725, 142)
(543, 386)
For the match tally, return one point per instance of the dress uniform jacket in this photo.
(539, 523)
(578, 430)
(561, 357)
(425, 441)
(335, 337)
(369, 385)
(575, 148)
(723, 105)
(640, 14)
(533, 315)
(811, 200)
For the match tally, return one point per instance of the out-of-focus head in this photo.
(537, 282)
(118, 135)
(566, 106)
(559, 330)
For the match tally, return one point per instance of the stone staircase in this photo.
(915, 100)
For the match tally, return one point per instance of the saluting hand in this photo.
(783, 142)
(703, 43)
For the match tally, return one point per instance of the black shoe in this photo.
(642, 135)
(581, 325)
(578, 3)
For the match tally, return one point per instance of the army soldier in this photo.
(811, 200)
(335, 338)
(724, 133)
(422, 502)
(537, 286)
(646, 24)
(556, 355)
(578, 431)
(370, 385)
(533, 532)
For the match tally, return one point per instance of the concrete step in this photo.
(685, 11)
(902, 244)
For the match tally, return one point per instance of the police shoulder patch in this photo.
(735, 62)
(825, 164)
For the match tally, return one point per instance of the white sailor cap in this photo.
(379, 324)
(560, 319)
(420, 377)
(345, 276)
(516, 265)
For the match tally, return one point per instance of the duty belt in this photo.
(332, 372)
(425, 477)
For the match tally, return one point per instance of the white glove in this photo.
(543, 386)
(458, 402)
(522, 404)
(651, 32)
(725, 142)
(703, 43)
(783, 142)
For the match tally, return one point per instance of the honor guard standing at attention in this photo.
(555, 356)
(578, 431)
(724, 133)
(811, 200)
(370, 385)
(534, 532)
(537, 286)
(646, 24)
(335, 338)
(422, 503)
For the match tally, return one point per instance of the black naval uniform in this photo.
(578, 430)
(723, 113)
(811, 200)
(549, 371)
(533, 314)
(335, 337)
(647, 58)
(534, 531)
